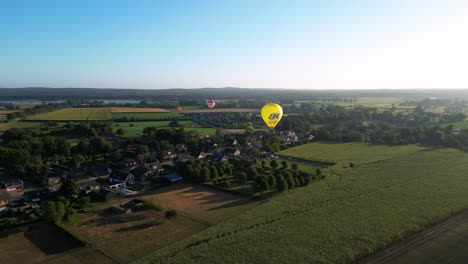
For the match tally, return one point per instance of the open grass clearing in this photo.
(129, 236)
(339, 219)
(137, 110)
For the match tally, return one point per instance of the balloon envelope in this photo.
(179, 109)
(272, 114)
(211, 103)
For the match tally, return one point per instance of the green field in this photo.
(147, 116)
(349, 152)
(341, 218)
(75, 114)
(133, 129)
(462, 125)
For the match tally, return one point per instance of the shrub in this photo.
(171, 214)
(152, 206)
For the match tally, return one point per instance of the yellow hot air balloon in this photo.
(272, 114)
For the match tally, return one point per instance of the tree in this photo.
(55, 211)
(274, 164)
(318, 171)
(282, 184)
(271, 181)
(284, 164)
(78, 160)
(205, 174)
(213, 172)
(69, 189)
(120, 132)
(294, 166)
(263, 184)
(142, 149)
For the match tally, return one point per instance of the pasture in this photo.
(74, 114)
(342, 218)
(137, 110)
(129, 236)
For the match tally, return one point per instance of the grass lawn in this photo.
(462, 125)
(342, 218)
(74, 114)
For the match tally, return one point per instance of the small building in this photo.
(56, 177)
(181, 148)
(36, 196)
(184, 158)
(127, 164)
(173, 177)
(143, 173)
(13, 185)
(4, 199)
(231, 152)
(167, 154)
(89, 186)
(121, 177)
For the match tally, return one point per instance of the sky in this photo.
(302, 44)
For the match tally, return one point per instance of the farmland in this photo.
(74, 114)
(326, 223)
(350, 152)
(223, 110)
(147, 116)
(130, 236)
(137, 110)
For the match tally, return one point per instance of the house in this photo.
(4, 199)
(172, 177)
(36, 196)
(56, 177)
(181, 148)
(219, 157)
(113, 186)
(96, 169)
(143, 158)
(143, 173)
(202, 155)
(132, 147)
(121, 177)
(167, 154)
(231, 152)
(231, 143)
(13, 185)
(88, 186)
(184, 158)
(127, 164)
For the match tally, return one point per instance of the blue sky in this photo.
(334, 44)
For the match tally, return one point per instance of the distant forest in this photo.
(283, 95)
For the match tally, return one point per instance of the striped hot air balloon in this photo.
(211, 103)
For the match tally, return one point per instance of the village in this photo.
(142, 168)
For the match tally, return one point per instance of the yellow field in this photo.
(75, 114)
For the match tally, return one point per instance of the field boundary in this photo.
(412, 241)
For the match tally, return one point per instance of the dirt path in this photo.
(403, 247)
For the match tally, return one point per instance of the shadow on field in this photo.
(140, 226)
(231, 204)
(50, 239)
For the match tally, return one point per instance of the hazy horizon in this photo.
(297, 44)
